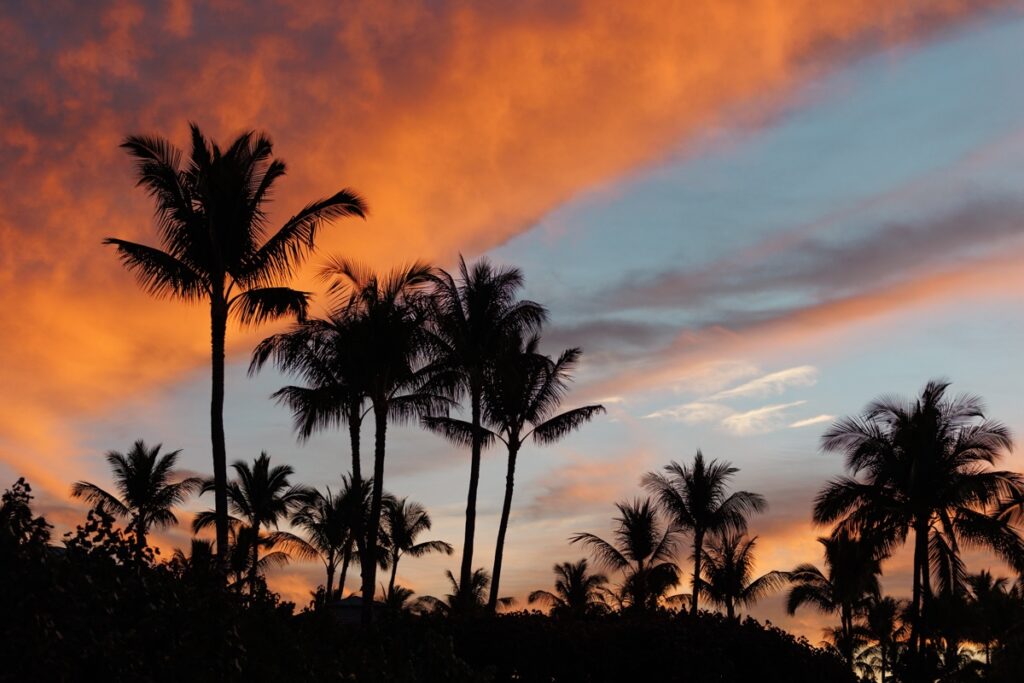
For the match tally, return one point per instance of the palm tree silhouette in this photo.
(642, 551)
(327, 525)
(260, 498)
(852, 566)
(728, 569)
(146, 493)
(216, 248)
(462, 600)
(385, 334)
(403, 523)
(882, 624)
(473, 320)
(578, 593)
(521, 391)
(695, 498)
(991, 607)
(320, 352)
(926, 467)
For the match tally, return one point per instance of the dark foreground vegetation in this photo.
(96, 610)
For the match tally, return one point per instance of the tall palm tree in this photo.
(522, 390)
(728, 569)
(385, 334)
(319, 351)
(642, 551)
(404, 521)
(924, 466)
(216, 247)
(261, 497)
(695, 497)
(146, 490)
(474, 319)
(578, 593)
(852, 566)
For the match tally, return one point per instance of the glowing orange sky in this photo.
(462, 125)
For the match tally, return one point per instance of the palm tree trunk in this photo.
(920, 559)
(506, 508)
(355, 425)
(346, 556)
(466, 571)
(698, 546)
(330, 580)
(218, 331)
(380, 415)
(254, 569)
(730, 610)
(394, 572)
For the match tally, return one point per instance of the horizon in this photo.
(787, 216)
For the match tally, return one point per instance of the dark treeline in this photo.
(460, 355)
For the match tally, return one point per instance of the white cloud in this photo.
(759, 420)
(816, 420)
(693, 413)
(773, 383)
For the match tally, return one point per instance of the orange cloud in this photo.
(461, 124)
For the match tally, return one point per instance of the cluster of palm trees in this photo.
(686, 499)
(262, 498)
(921, 470)
(409, 344)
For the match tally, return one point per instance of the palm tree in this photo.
(642, 551)
(385, 335)
(924, 466)
(403, 522)
(991, 608)
(324, 519)
(462, 601)
(210, 214)
(261, 497)
(578, 593)
(881, 623)
(728, 569)
(320, 352)
(852, 566)
(521, 391)
(146, 494)
(696, 499)
(473, 320)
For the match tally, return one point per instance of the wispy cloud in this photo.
(773, 383)
(759, 420)
(693, 413)
(816, 420)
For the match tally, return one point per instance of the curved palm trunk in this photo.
(698, 546)
(345, 558)
(730, 610)
(330, 578)
(370, 555)
(466, 571)
(218, 331)
(506, 508)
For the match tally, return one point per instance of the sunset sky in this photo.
(753, 215)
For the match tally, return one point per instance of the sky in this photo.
(752, 216)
